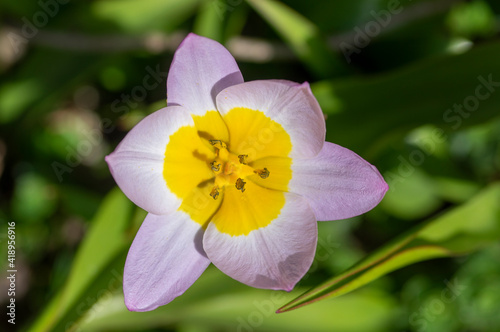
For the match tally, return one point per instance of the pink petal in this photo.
(201, 68)
(164, 260)
(137, 162)
(290, 104)
(337, 183)
(273, 257)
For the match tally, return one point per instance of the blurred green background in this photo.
(411, 86)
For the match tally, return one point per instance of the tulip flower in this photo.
(232, 173)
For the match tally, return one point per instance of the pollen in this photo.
(215, 166)
(242, 158)
(218, 144)
(240, 184)
(263, 173)
(215, 192)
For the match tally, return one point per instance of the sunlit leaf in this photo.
(105, 241)
(468, 227)
(210, 19)
(363, 111)
(473, 19)
(216, 302)
(12, 101)
(140, 16)
(302, 36)
(413, 198)
(44, 76)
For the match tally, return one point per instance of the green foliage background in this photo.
(402, 83)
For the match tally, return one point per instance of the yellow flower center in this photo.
(232, 170)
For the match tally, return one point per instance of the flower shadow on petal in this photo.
(198, 242)
(225, 82)
(291, 270)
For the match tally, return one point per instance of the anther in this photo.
(243, 158)
(214, 166)
(263, 173)
(240, 184)
(217, 143)
(215, 192)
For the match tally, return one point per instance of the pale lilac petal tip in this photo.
(383, 186)
(201, 68)
(338, 183)
(165, 259)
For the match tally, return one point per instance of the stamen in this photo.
(243, 158)
(240, 184)
(263, 173)
(215, 192)
(215, 167)
(217, 143)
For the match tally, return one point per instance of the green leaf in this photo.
(472, 19)
(464, 229)
(141, 16)
(102, 250)
(302, 36)
(210, 19)
(416, 197)
(366, 110)
(46, 74)
(13, 98)
(455, 190)
(219, 303)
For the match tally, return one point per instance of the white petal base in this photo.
(138, 161)
(273, 257)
